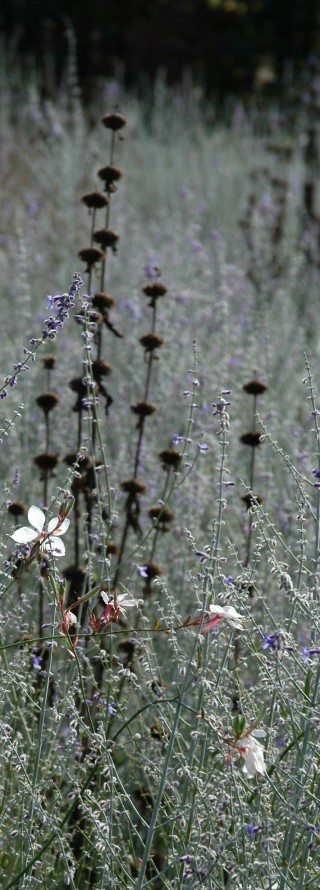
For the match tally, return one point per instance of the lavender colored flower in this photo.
(308, 653)
(252, 829)
(270, 641)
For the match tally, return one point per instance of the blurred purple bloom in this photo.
(307, 653)
(252, 830)
(270, 641)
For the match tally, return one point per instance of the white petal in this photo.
(36, 518)
(24, 535)
(125, 601)
(53, 546)
(105, 597)
(217, 610)
(63, 527)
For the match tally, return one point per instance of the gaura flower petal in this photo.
(24, 535)
(230, 615)
(63, 527)
(36, 518)
(253, 754)
(54, 546)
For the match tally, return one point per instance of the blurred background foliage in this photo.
(235, 46)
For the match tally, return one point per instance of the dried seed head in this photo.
(100, 368)
(92, 316)
(114, 121)
(128, 647)
(251, 499)
(110, 175)
(133, 486)
(75, 575)
(255, 387)
(170, 457)
(151, 341)
(154, 290)
(143, 409)
(91, 255)
(49, 362)
(112, 548)
(107, 238)
(152, 570)
(46, 461)
(77, 385)
(47, 401)
(17, 508)
(102, 301)
(162, 515)
(95, 199)
(72, 458)
(252, 438)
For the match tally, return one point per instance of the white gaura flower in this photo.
(253, 754)
(230, 615)
(48, 539)
(120, 602)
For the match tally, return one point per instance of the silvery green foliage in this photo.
(166, 738)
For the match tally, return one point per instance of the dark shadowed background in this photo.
(230, 45)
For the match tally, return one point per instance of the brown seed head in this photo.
(255, 387)
(133, 486)
(91, 255)
(151, 341)
(92, 316)
(170, 457)
(95, 199)
(143, 409)
(114, 121)
(72, 458)
(16, 508)
(49, 362)
(155, 289)
(252, 438)
(102, 301)
(251, 499)
(112, 548)
(107, 238)
(47, 401)
(46, 461)
(163, 515)
(100, 368)
(152, 570)
(109, 176)
(77, 385)
(76, 576)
